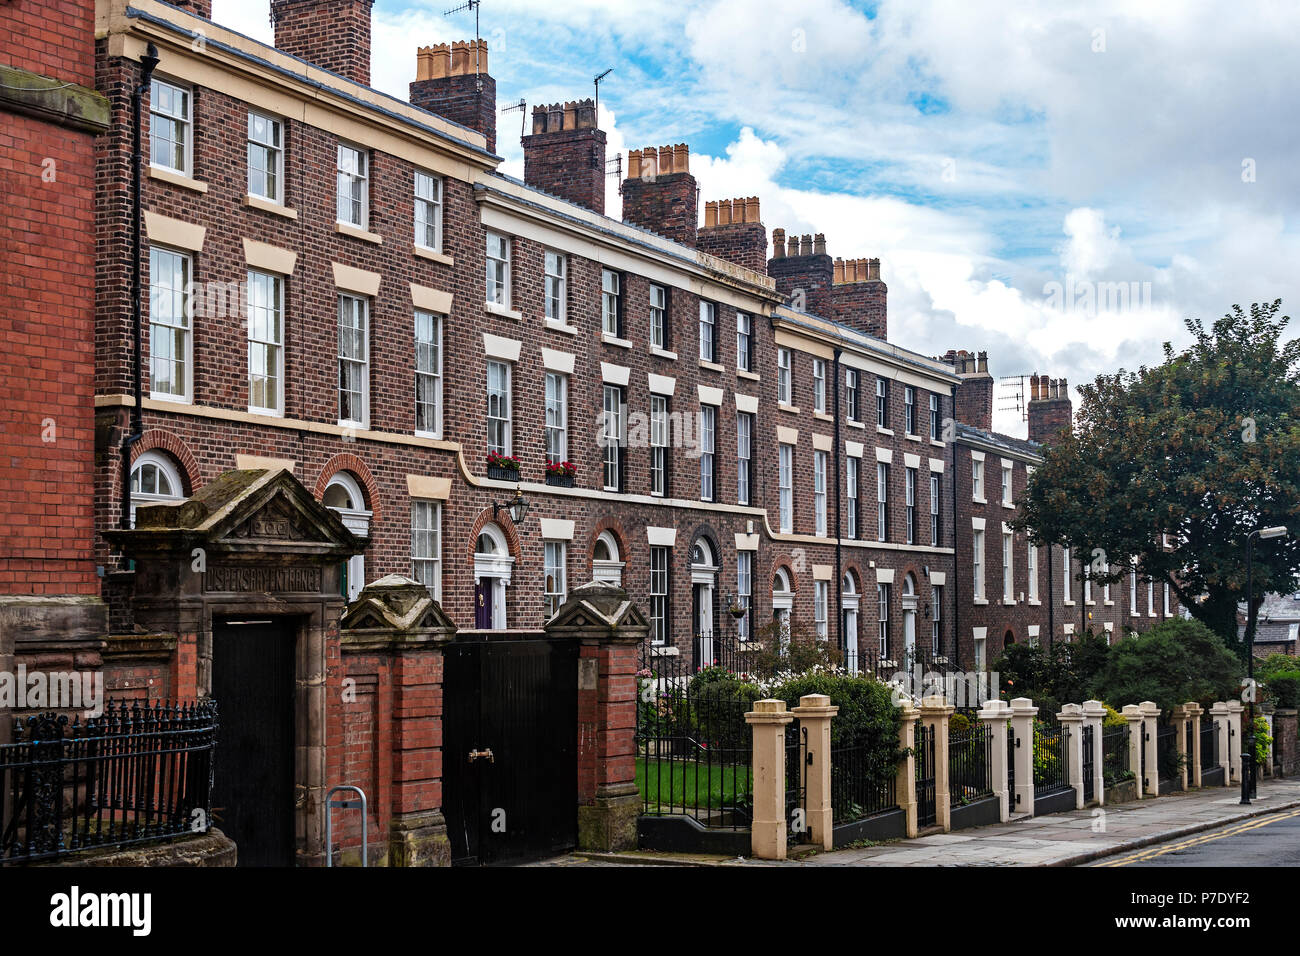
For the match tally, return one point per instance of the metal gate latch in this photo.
(476, 754)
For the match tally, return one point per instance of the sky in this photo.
(1058, 184)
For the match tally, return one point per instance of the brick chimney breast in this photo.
(1050, 408)
(974, 404)
(660, 194)
(452, 80)
(331, 34)
(565, 153)
(802, 276)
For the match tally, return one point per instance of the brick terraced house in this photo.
(389, 395)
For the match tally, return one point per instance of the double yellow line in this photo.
(1143, 855)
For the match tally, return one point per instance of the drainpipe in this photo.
(839, 530)
(956, 528)
(1051, 602)
(147, 64)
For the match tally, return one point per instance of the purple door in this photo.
(483, 604)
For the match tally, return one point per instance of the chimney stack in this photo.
(331, 34)
(1050, 408)
(974, 404)
(733, 231)
(660, 194)
(200, 8)
(565, 153)
(858, 297)
(452, 80)
(803, 272)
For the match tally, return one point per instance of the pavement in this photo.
(1075, 838)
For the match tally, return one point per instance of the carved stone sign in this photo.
(228, 579)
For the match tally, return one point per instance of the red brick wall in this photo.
(808, 276)
(667, 204)
(459, 99)
(569, 163)
(1047, 417)
(744, 243)
(47, 315)
(861, 305)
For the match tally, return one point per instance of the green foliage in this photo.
(1052, 675)
(1113, 718)
(1279, 676)
(792, 647)
(1205, 446)
(958, 723)
(1175, 662)
(1263, 742)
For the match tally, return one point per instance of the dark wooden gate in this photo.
(510, 749)
(1089, 765)
(252, 791)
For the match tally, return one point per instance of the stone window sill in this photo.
(880, 429)
(792, 409)
(711, 366)
(752, 376)
(266, 205)
(915, 438)
(615, 340)
(822, 416)
(433, 255)
(343, 229)
(177, 179)
(491, 308)
(561, 327)
(663, 353)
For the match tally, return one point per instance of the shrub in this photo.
(958, 723)
(791, 647)
(1176, 661)
(1113, 718)
(1263, 742)
(1279, 675)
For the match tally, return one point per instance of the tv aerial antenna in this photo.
(596, 83)
(1012, 395)
(471, 5)
(522, 107)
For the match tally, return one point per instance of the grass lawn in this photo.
(675, 784)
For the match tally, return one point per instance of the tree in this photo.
(1176, 661)
(1203, 448)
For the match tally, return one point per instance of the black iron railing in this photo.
(796, 782)
(926, 806)
(1168, 761)
(694, 749)
(133, 774)
(1011, 765)
(1051, 744)
(1209, 745)
(860, 788)
(1114, 755)
(970, 765)
(1089, 764)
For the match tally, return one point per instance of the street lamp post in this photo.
(1248, 740)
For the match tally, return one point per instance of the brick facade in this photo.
(332, 34)
(565, 154)
(660, 194)
(452, 80)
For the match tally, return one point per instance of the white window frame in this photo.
(350, 178)
(555, 291)
(708, 452)
(1066, 587)
(909, 409)
(273, 309)
(1008, 477)
(909, 482)
(1031, 568)
(785, 376)
(1167, 612)
(556, 401)
(428, 369)
(1008, 567)
(708, 331)
(852, 466)
(427, 209)
(936, 489)
(852, 395)
(659, 437)
(554, 576)
(936, 602)
(744, 341)
(658, 594)
(744, 591)
(821, 601)
(178, 321)
(882, 501)
(162, 467)
(977, 563)
(882, 403)
(505, 402)
(977, 480)
(1133, 589)
(613, 423)
(498, 252)
(819, 385)
(882, 605)
(934, 417)
(272, 151)
(355, 305)
(744, 458)
(819, 493)
(174, 119)
(427, 565)
(658, 316)
(785, 484)
(611, 318)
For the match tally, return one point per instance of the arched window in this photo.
(344, 495)
(782, 604)
(849, 604)
(605, 560)
(493, 565)
(702, 554)
(154, 477)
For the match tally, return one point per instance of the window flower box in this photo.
(502, 467)
(561, 473)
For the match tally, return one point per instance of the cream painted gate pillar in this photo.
(1194, 711)
(1222, 733)
(1235, 707)
(1094, 714)
(1150, 713)
(1023, 713)
(1182, 720)
(768, 831)
(905, 781)
(815, 712)
(994, 716)
(935, 712)
(1071, 718)
(1136, 732)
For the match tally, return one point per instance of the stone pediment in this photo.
(252, 510)
(394, 607)
(599, 605)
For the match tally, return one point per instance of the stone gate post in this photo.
(768, 720)
(815, 712)
(1150, 713)
(1023, 713)
(935, 712)
(994, 716)
(1071, 719)
(905, 780)
(1136, 732)
(1094, 716)
(1234, 721)
(1223, 737)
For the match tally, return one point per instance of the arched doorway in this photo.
(606, 563)
(909, 619)
(849, 602)
(154, 477)
(492, 568)
(1008, 639)
(704, 580)
(782, 605)
(343, 495)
